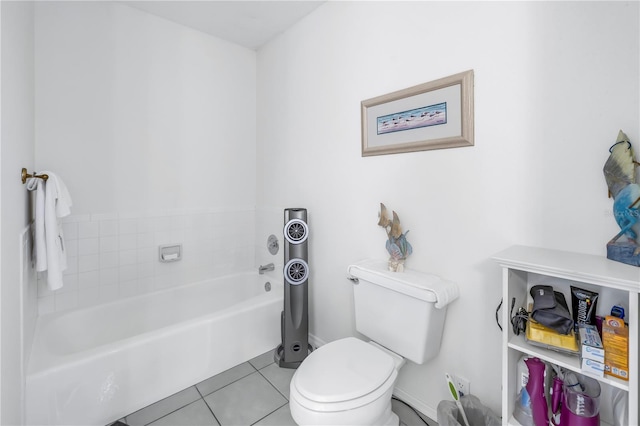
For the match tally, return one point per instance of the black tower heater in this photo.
(295, 319)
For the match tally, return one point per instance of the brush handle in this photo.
(456, 397)
(464, 415)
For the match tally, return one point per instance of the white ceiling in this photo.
(247, 23)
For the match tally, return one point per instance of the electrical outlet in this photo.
(463, 385)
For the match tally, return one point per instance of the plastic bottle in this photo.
(620, 403)
(535, 388)
(522, 409)
(522, 374)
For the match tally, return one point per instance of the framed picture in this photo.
(433, 115)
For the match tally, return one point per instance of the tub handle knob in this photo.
(272, 244)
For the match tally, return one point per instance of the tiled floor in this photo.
(252, 393)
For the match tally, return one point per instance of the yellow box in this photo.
(539, 335)
(615, 339)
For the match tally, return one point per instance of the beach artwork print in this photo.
(431, 115)
(436, 115)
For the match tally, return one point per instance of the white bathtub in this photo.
(96, 365)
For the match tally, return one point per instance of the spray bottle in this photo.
(522, 376)
(535, 388)
(522, 408)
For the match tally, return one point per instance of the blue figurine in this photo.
(620, 174)
(397, 245)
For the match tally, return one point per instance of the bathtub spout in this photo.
(263, 268)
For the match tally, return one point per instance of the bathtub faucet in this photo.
(263, 268)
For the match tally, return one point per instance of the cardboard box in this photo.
(590, 343)
(592, 367)
(615, 339)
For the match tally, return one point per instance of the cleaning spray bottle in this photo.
(535, 388)
(522, 377)
(522, 408)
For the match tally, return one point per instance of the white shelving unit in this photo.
(616, 283)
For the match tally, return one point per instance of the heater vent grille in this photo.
(296, 231)
(296, 271)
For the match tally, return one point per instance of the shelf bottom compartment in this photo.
(514, 422)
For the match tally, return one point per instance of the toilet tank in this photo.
(402, 311)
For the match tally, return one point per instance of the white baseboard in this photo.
(416, 403)
(315, 341)
(428, 411)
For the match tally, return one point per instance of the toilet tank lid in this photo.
(420, 285)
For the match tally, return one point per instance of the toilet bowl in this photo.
(349, 381)
(345, 382)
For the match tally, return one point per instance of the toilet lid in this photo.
(343, 370)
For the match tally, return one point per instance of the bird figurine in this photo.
(620, 175)
(397, 244)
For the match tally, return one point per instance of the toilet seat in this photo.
(343, 375)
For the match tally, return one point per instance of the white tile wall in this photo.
(113, 256)
(270, 220)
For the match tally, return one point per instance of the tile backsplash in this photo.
(113, 256)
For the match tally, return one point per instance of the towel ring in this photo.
(26, 175)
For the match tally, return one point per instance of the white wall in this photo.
(17, 292)
(141, 114)
(591, 81)
(554, 82)
(152, 127)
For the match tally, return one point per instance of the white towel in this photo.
(54, 205)
(40, 244)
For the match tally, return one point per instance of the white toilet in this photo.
(349, 381)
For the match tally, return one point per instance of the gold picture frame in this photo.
(433, 115)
